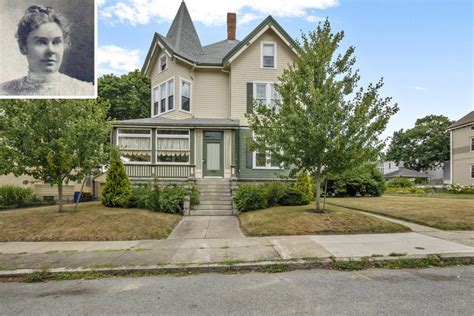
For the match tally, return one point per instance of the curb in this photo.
(260, 266)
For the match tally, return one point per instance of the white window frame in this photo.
(268, 91)
(181, 80)
(159, 63)
(472, 167)
(172, 136)
(471, 143)
(158, 86)
(274, 57)
(136, 135)
(268, 165)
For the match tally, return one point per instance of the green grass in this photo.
(91, 221)
(300, 220)
(439, 212)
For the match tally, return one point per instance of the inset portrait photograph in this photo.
(47, 49)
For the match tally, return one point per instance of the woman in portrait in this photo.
(43, 36)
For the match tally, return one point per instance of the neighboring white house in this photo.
(462, 150)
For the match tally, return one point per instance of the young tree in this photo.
(56, 141)
(423, 147)
(117, 190)
(128, 95)
(322, 125)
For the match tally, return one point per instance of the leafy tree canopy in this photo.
(423, 147)
(53, 140)
(128, 95)
(324, 124)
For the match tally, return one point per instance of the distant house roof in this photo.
(405, 173)
(465, 120)
(183, 41)
(190, 122)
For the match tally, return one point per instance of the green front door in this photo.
(213, 154)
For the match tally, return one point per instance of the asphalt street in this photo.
(435, 291)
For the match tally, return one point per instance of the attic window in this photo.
(162, 63)
(268, 55)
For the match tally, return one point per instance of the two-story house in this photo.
(200, 95)
(462, 150)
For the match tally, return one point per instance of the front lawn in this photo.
(299, 220)
(91, 221)
(447, 213)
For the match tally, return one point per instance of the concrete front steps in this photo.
(215, 198)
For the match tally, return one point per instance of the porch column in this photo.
(153, 146)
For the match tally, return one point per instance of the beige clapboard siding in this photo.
(246, 68)
(462, 156)
(210, 92)
(176, 70)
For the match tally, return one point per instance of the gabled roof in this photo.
(465, 120)
(269, 22)
(405, 173)
(183, 41)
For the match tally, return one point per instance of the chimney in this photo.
(231, 25)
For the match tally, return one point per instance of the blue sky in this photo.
(422, 48)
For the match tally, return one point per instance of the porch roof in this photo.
(189, 122)
(405, 173)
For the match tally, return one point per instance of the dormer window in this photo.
(163, 97)
(163, 63)
(268, 55)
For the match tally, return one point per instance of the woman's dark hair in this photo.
(35, 16)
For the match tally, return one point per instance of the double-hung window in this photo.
(172, 146)
(268, 55)
(163, 62)
(266, 94)
(134, 145)
(264, 160)
(472, 171)
(472, 143)
(185, 95)
(163, 97)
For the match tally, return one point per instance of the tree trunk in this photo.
(325, 192)
(60, 196)
(318, 191)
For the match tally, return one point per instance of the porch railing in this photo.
(160, 171)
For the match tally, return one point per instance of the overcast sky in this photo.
(422, 48)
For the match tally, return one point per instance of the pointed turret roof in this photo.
(183, 36)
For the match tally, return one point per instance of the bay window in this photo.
(185, 95)
(134, 145)
(163, 97)
(173, 146)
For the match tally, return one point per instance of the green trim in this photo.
(245, 41)
(191, 147)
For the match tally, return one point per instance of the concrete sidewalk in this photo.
(110, 254)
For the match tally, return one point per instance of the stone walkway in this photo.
(207, 227)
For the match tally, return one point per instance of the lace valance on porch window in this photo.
(140, 143)
(172, 144)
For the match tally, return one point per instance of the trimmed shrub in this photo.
(15, 196)
(251, 197)
(172, 198)
(153, 201)
(194, 196)
(117, 190)
(365, 180)
(293, 196)
(458, 188)
(140, 196)
(274, 191)
(400, 183)
(304, 184)
(411, 190)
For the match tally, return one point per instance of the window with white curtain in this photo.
(268, 54)
(163, 97)
(134, 145)
(172, 146)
